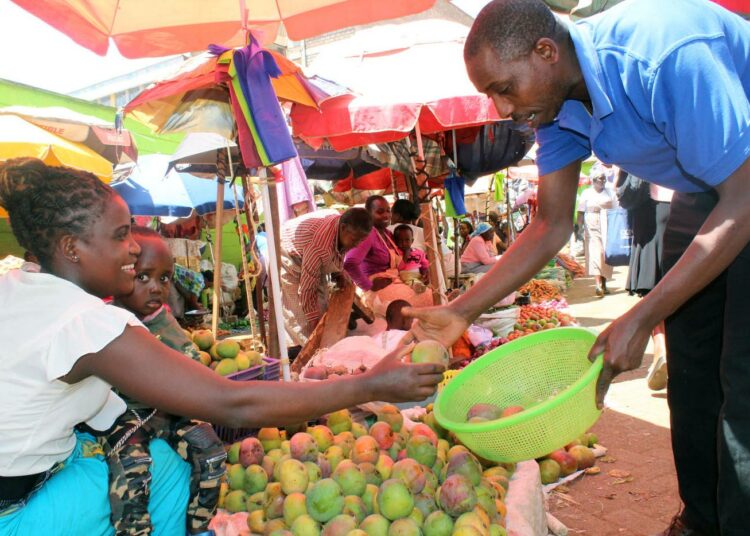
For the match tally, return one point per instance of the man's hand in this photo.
(392, 380)
(623, 344)
(441, 324)
(379, 283)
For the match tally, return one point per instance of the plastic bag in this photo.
(499, 322)
(619, 238)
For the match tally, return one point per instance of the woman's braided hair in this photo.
(46, 202)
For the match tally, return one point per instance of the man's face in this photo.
(300, 208)
(526, 89)
(350, 238)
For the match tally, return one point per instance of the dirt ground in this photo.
(640, 497)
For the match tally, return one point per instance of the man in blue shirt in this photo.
(659, 88)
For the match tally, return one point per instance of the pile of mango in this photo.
(575, 456)
(342, 479)
(225, 357)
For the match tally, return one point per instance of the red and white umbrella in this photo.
(148, 28)
(421, 85)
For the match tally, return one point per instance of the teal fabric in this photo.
(74, 501)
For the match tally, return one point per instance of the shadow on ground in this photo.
(640, 499)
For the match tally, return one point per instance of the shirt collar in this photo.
(591, 68)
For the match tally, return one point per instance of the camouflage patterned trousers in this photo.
(130, 477)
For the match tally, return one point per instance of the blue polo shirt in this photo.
(669, 82)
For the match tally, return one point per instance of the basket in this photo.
(270, 370)
(548, 373)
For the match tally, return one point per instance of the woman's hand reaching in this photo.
(392, 380)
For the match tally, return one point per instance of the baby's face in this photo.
(404, 240)
(153, 275)
(400, 321)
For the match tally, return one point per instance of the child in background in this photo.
(414, 268)
(127, 442)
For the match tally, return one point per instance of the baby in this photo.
(395, 318)
(414, 268)
(127, 442)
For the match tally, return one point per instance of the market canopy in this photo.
(192, 99)
(424, 84)
(103, 137)
(148, 28)
(21, 138)
(153, 189)
(15, 94)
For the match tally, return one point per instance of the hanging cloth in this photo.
(251, 70)
(499, 192)
(454, 195)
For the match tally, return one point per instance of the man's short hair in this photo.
(511, 27)
(406, 209)
(357, 219)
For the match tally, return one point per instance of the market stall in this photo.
(374, 469)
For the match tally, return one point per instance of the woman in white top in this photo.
(63, 348)
(593, 201)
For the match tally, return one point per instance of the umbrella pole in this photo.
(250, 221)
(456, 222)
(427, 217)
(245, 269)
(273, 270)
(217, 255)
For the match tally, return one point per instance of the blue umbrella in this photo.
(152, 190)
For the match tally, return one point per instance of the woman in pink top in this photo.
(478, 257)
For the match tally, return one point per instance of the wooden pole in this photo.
(215, 312)
(245, 267)
(270, 208)
(456, 252)
(250, 222)
(427, 218)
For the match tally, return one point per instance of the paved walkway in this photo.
(641, 498)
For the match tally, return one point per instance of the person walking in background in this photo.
(648, 212)
(594, 200)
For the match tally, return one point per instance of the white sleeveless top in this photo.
(46, 325)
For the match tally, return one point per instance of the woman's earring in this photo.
(74, 258)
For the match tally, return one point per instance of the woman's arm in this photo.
(143, 368)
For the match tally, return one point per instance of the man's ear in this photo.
(547, 49)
